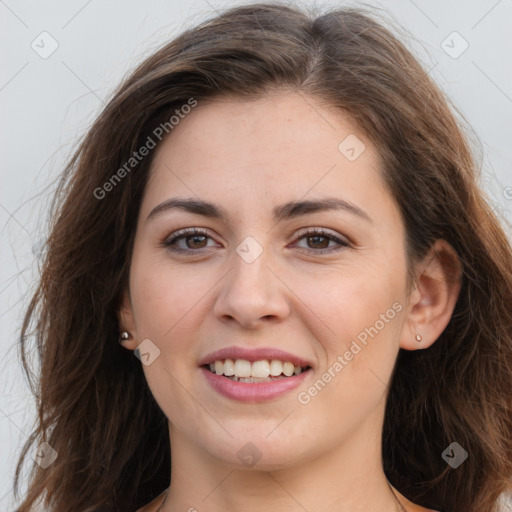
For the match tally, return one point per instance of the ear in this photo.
(433, 297)
(126, 322)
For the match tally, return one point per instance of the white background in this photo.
(46, 104)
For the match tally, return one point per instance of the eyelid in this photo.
(322, 231)
(186, 232)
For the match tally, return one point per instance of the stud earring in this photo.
(125, 335)
(419, 337)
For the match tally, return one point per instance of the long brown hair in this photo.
(94, 406)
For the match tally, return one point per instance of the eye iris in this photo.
(316, 237)
(195, 238)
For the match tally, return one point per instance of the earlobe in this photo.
(433, 300)
(126, 323)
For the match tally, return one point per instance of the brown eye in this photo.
(318, 240)
(194, 240)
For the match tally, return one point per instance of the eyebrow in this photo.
(285, 211)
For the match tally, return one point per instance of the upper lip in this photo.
(253, 354)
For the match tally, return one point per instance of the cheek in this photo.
(166, 302)
(344, 303)
(357, 322)
(366, 319)
(166, 297)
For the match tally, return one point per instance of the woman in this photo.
(278, 216)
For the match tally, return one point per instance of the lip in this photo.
(253, 354)
(252, 392)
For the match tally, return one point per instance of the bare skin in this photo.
(154, 505)
(324, 452)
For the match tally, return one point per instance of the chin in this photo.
(259, 453)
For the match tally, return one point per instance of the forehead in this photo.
(282, 146)
(278, 127)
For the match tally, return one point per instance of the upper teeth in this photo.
(259, 369)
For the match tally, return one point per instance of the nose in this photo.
(252, 294)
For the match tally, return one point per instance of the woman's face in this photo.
(262, 281)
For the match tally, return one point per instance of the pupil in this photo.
(195, 237)
(318, 237)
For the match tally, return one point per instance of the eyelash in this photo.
(184, 233)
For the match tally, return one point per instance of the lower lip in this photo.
(252, 392)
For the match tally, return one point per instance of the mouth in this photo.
(253, 374)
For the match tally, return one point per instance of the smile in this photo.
(241, 370)
(253, 374)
